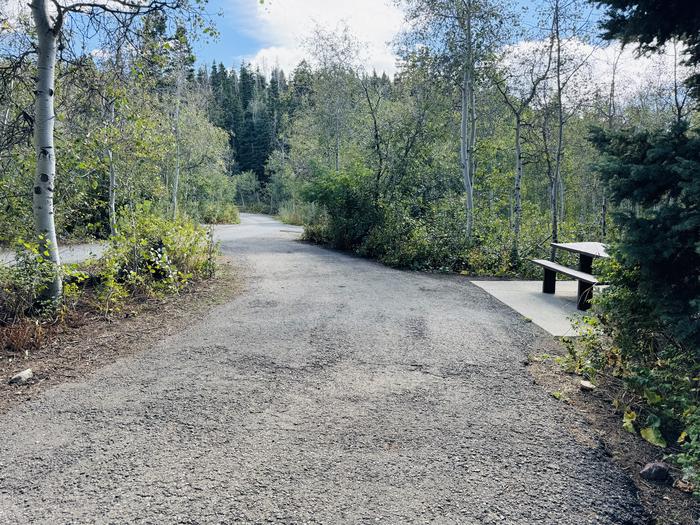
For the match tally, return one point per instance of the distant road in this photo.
(69, 254)
(250, 223)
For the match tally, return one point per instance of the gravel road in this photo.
(332, 390)
(70, 254)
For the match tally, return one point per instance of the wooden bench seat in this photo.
(586, 281)
(560, 268)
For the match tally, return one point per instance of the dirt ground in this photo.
(668, 505)
(89, 341)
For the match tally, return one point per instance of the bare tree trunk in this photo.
(553, 205)
(604, 216)
(555, 183)
(176, 176)
(562, 193)
(112, 180)
(44, 140)
(112, 194)
(517, 194)
(465, 160)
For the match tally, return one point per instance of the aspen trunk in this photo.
(517, 194)
(176, 177)
(556, 185)
(112, 194)
(44, 142)
(112, 180)
(604, 216)
(555, 219)
(465, 160)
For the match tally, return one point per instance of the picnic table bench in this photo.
(586, 281)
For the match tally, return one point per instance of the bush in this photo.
(298, 213)
(219, 213)
(152, 255)
(350, 212)
(430, 238)
(24, 284)
(647, 326)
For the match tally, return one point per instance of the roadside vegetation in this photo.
(116, 146)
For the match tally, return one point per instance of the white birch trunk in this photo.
(112, 194)
(176, 177)
(467, 128)
(465, 160)
(556, 182)
(44, 141)
(517, 193)
(112, 180)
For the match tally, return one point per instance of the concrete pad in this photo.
(553, 313)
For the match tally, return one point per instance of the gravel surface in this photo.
(69, 254)
(332, 390)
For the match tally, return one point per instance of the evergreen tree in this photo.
(653, 180)
(651, 24)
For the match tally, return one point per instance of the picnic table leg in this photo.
(585, 292)
(585, 263)
(550, 281)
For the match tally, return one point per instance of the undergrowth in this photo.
(149, 257)
(653, 378)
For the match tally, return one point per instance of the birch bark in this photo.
(47, 36)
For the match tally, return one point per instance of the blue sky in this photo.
(236, 42)
(273, 33)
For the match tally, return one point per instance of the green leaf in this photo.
(653, 436)
(652, 397)
(628, 421)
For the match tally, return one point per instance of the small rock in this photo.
(655, 471)
(684, 486)
(22, 377)
(587, 386)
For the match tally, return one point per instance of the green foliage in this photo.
(219, 213)
(653, 180)
(352, 209)
(23, 285)
(298, 213)
(249, 192)
(646, 331)
(651, 24)
(152, 255)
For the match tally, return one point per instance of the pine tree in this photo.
(653, 178)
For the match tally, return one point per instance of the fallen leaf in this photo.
(653, 436)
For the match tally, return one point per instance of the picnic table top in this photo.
(592, 249)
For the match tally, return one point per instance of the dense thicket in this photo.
(649, 320)
(131, 126)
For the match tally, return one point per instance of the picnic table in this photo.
(586, 281)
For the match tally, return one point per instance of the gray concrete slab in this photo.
(553, 313)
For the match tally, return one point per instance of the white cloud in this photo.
(283, 25)
(12, 10)
(591, 69)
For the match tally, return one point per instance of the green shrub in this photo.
(23, 285)
(219, 213)
(298, 213)
(152, 255)
(647, 325)
(351, 213)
